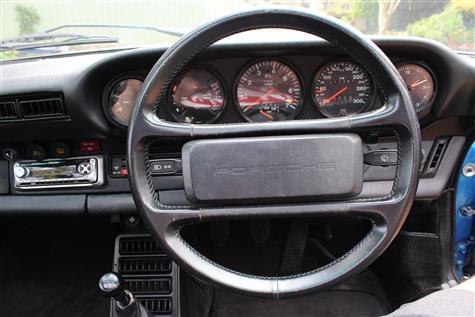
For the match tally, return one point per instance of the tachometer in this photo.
(269, 90)
(342, 88)
(197, 97)
(420, 83)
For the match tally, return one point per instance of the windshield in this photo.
(37, 28)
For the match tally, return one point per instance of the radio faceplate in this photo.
(59, 173)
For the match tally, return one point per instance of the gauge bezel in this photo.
(270, 58)
(424, 110)
(371, 99)
(170, 101)
(107, 93)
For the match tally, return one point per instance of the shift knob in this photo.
(112, 286)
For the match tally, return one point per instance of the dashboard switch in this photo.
(165, 166)
(90, 147)
(10, 154)
(381, 157)
(59, 150)
(36, 152)
(118, 166)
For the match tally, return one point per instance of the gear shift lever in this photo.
(112, 286)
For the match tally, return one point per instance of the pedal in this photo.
(292, 260)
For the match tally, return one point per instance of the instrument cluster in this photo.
(270, 89)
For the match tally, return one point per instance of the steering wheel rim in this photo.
(387, 214)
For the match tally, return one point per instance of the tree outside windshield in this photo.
(451, 22)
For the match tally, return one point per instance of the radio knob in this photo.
(21, 172)
(85, 168)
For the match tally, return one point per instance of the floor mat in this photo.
(51, 268)
(360, 296)
(332, 303)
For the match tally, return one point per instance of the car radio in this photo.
(59, 173)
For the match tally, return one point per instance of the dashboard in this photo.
(271, 89)
(71, 112)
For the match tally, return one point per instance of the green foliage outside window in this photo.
(446, 27)
(27, 18)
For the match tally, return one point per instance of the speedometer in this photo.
(269, 90)
(342, 88)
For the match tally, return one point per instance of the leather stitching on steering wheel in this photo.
(326, 266)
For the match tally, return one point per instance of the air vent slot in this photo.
(149, 286)
(42, 107)
(8, 110)
(144, 265)
(435, 157)
(135, 246)
(160, 306)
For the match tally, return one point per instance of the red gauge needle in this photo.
(339, 92)
(268, 116)
(416, 83)
(259, 99)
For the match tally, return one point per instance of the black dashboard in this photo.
(270, 89)
(77, 106)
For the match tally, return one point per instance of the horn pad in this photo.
(276, 168)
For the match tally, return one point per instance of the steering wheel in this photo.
(229, 196)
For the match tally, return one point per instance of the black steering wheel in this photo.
(214, 198)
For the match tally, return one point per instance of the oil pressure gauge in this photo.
(419, 82)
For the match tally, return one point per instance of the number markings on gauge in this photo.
(342, 88)
(419, 82)
(269, 90)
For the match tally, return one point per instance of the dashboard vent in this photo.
(148, 272)
(144, 265)
(135, 246)
(159, 306)
(435, 157)
(42, 107)
(8, 110)
(150, 285)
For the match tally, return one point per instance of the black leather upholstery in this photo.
(386, 213)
